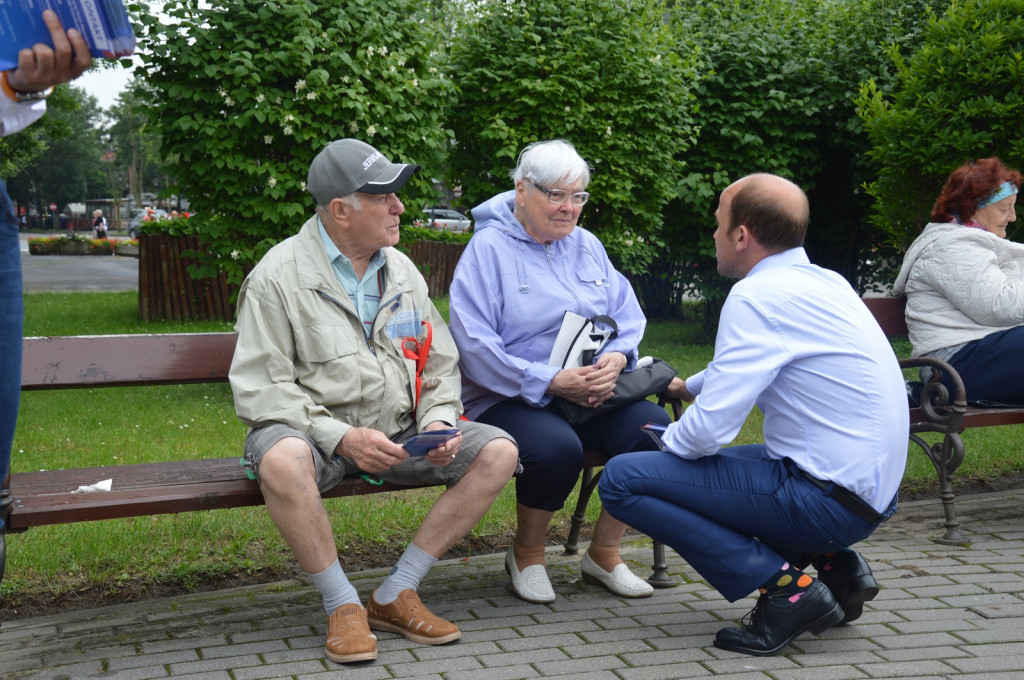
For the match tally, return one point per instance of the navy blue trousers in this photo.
(992, 367)
(736, 517)
(551, 450)
(11, 315)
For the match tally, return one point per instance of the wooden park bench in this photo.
(31, 499)
(940, 412)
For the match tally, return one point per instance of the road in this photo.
(77, 272)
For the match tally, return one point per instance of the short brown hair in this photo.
(772, 221)
(968, 186)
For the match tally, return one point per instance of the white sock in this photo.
(334, 587)
(412, 566)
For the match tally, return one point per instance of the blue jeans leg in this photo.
(736, 517)
(11, 315)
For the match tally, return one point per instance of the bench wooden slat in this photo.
(109, 361)
(48, 496)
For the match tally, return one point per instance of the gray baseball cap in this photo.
(349, 165)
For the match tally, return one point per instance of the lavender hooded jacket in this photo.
(508, 297)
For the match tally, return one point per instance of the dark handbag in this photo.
(640, 383)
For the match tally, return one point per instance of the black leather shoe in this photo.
(848, 576)
(774, 622)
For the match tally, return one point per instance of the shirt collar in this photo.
(787, 258)
(338, 258)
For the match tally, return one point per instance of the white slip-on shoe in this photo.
(621, 581)
(530, 584)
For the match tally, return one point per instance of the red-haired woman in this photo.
(964, 283)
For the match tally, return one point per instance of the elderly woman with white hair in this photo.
(527, 264)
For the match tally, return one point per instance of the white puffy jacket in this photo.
(961, 283)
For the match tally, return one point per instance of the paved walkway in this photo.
(944, 611)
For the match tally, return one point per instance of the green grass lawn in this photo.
(130, 558)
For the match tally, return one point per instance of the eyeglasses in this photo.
(559, 196)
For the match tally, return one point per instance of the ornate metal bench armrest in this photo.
(938, 408)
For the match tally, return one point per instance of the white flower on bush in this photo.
(353, 126)
(272, 182)
(260, 98)
(287, 129)
(371, 130)
(311, 95)
(268, 139)
(608, 131)
(235, 254)
(300, 85)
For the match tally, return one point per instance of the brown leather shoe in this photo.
(409, 617)
(348, 636)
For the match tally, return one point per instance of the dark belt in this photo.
(844, 497)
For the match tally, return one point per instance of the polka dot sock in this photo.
(824, 562)
(789, 582)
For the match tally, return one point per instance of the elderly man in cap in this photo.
(341, 359)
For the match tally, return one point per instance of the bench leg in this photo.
(660, 578)
(587, 485)
(946, 456)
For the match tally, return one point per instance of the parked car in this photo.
(445, 219)
(139, 215)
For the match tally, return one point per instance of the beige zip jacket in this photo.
(302, 359)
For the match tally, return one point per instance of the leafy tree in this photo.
(248, 93)
(757, 112)
(601, 74)
(852, 44)
(961, 96)
(133, 159)
(779, 99)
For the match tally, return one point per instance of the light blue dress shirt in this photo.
(796, 341)
(365, 292)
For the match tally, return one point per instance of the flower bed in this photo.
(44, 245)
(62, 245)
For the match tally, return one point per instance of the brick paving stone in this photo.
(987, 664)
(908, 669)
(438, 667)
(820, 673)
(929, 653)
(500, 673)
(531, 656)
(620, 647)
(667, 672)
(589, 667)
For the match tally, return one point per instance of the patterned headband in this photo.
(1005, 190)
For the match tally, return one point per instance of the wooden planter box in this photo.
(436, 260)
(42, 248)
(74, 247)
(167, 290)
